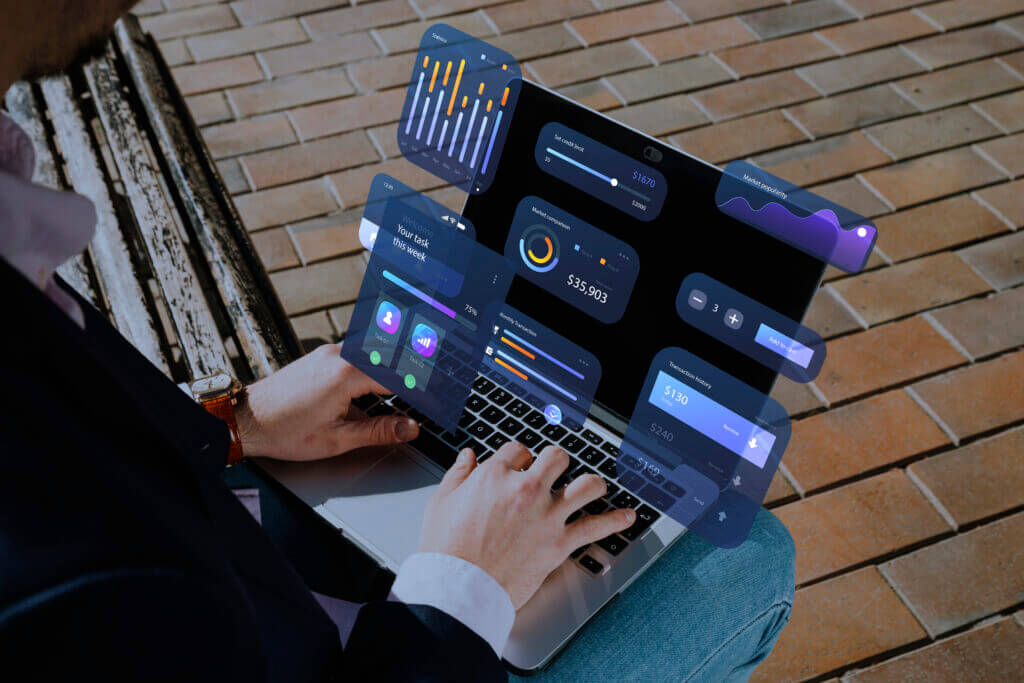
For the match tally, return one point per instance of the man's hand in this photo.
(299, 412)
(509, 522)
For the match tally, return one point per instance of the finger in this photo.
(550, 464)
(376, 431)
(581, 491)
(514, 455)
(595, 527)
(463, 466)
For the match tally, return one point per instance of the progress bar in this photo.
(597, 174)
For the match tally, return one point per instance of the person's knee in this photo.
(771, 542)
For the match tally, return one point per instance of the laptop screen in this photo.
(651, 235)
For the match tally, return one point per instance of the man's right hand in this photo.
(509, 522)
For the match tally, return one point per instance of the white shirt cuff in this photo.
(461, 590)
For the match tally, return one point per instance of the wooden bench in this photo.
(171, 264)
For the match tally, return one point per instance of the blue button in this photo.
(790, 349)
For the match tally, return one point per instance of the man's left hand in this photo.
(301, 411)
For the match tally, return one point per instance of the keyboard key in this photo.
(530, 439)
(476, 402)
(573, 443)
(674, 489)
(483, 456)
(416, 415)
(380, 409)
(578, 472)
(613, 544)
(498, 377)
(607, 468)
(477, 447)
(467, 418)
(542, 446)
(562, 480)
(579, 551)
(480, 430)
(511, 426)
(656, 497)
(645, 517)
(595, 507)
(590, 436)
(492, 414)
(499, 397)
(610, 449)
(632, 481)
(630, 462)
(463, 356)
(518, 408)
(535, 420)
(435, 449)
(573, 517)
(592, 456)
(534, 400)
(456, 439)
(465, 374)
(554, 432)
(497, 440)
(572, 425)
(432, 427)
(399, 403)
(590, 564)
(612, 489)
(515, 389)
(656, 478)
(366, 402)
(483, 385)
(625, 500)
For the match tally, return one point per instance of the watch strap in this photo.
(223, 406)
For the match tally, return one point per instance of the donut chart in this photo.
(538, 247)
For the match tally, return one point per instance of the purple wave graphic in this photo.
(819, 234)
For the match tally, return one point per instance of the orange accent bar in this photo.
(511, 369)
(447, 73)
(465, 99)
(426, 60)
(504, 97)
(489, 103)
(434, 77)
(480, 91)
(455, 90)
(519, 349)
(504, 67)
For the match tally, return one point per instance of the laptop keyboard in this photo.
(497, 412)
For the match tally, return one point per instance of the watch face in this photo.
(211, 385)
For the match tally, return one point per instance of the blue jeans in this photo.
(700, 613)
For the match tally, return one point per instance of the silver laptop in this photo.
(376, 498)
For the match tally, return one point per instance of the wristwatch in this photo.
(219, 394)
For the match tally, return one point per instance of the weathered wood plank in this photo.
(219, 233)
(158, 222)
(114, 268)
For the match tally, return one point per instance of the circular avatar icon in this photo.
(375, 357)
(553, 414)
(410, 381)
(538, 248)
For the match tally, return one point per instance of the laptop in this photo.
(376, 497)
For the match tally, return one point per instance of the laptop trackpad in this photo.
(386, 504)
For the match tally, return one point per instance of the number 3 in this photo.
(715, 309)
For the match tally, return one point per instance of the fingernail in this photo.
(406, 430)
(465, 455)
(630, 515)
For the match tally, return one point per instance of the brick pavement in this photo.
(904, 483)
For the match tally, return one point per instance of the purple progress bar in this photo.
(418, 294)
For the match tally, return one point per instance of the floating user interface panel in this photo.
(600, 171)
(558, 376)
(458, 107)
(567, 256)
(418, 326)
(702, 445)
(765, 335)
(383, 187)
(813, 224)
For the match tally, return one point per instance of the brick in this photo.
(864, 35)
(189, 22)
(679, 76)
(359, 18)
(979, 480)
(962, 46)
(259, 11)
(601, 28)
(285, 204)
(353, 185)
(382, 73)
(994, 652)
(855, 196)
(964, 578)
(175, 53)
(147, 7)
(320, 285)
(326, 155)
(407, 37)
(702, 10)
(313, 330)
(328, 236)
(851, 110)
(936, 226)
(514, 16)
(537, 42)
(682, 42)
(320, 54)
(860, 437)
(275, 249)
(956, 13)
(586, 64)
(1006, 110)
(814, 162)
(291, 91)
(209, 108)
(346, 114)
(661, 117)
(978, 398)
(959, 84)
(754, 94)
(385, 138)
(848, 73)
(436, 8)
(739, 138)
(797, 18)
(828, 317)
(1006, 200)
(175, 5)
(242, 40)
(242, 137)
(779, 490)
(874, 261)
(971, 322)
(999, 261)
(929, 177)
(594, 94)
(858, 522)
(773, 55)
(909, 287)
(225, 73)
(234, 178)
(341, 316)
(796, 398)
(933, 131)
(869, 8)
(884, 356)
(1008, 152)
